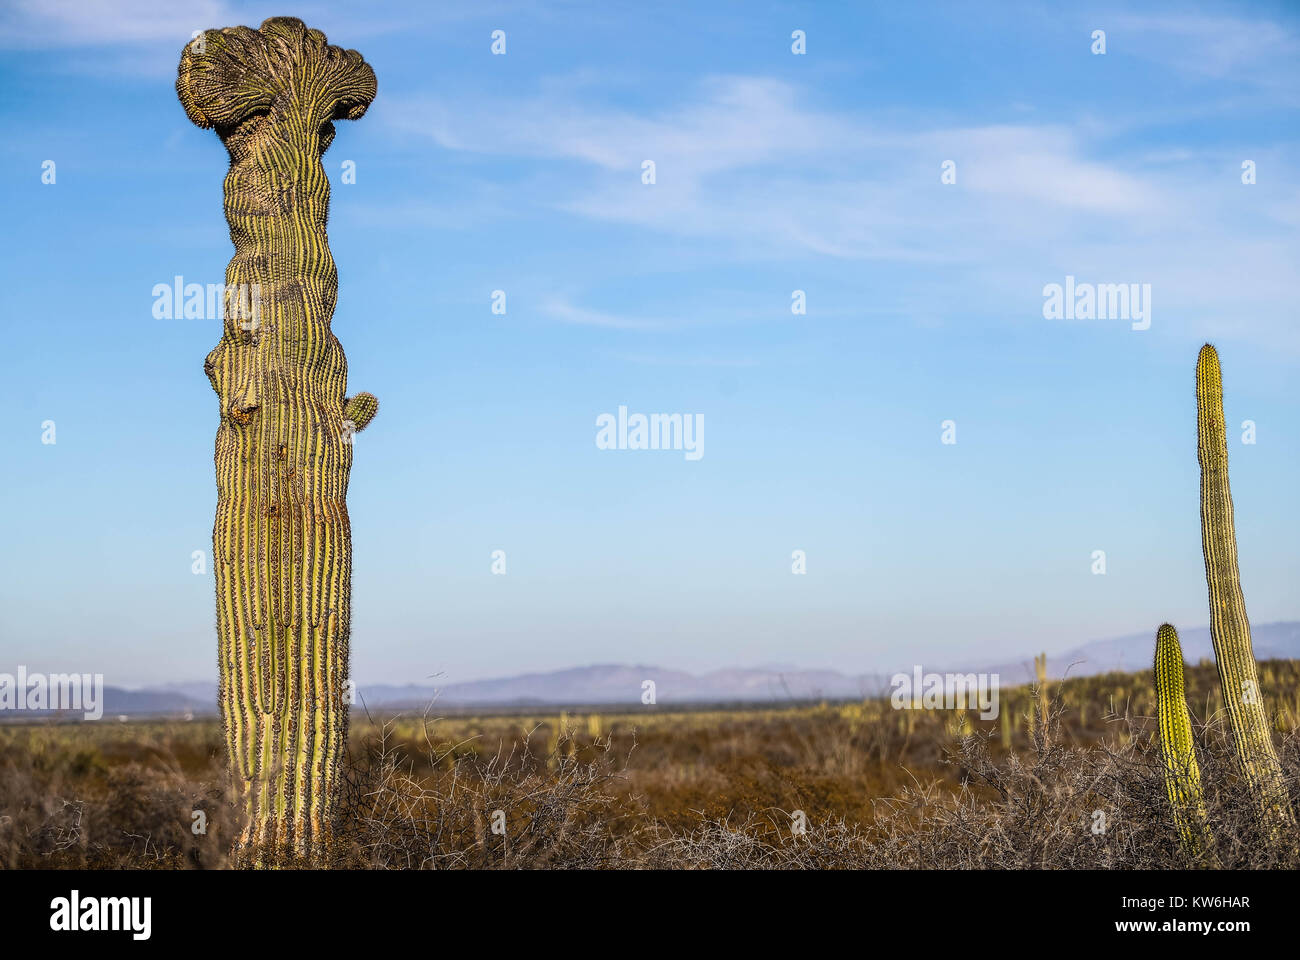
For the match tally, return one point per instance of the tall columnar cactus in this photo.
(1229, 628)
(1182, 773)
(1040, 671)
(281, 545)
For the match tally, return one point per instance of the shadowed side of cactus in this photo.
(1182, 773)
(281, 540)
(1229, 628)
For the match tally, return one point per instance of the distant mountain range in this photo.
(1271, 641)
(612, 684)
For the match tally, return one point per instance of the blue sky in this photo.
(774, 172)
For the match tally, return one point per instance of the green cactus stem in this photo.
(281, 541)
(1229, 628)
(1182, 773)
(1040, 671)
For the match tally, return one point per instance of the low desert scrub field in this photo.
(831, 785)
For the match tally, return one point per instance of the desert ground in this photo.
(1065, 777)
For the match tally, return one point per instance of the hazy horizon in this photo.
(884, 670)
(823, 431)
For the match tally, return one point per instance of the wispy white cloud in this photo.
(145, 37)
(740, 123)
(1042, 164)
(751, 168)
(749, 161)
(1248, 49)
(566, 312)
(684, 360)
(76, 23)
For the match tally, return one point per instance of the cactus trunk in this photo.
(1229, 628)
(281, 541)
(1040, 671)
(1182, 773)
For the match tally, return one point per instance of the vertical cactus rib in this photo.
(1229, 628)
(1182, 773)
(281, 539)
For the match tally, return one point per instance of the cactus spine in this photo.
(281, 540)
(1182, 773)
(1229, 628)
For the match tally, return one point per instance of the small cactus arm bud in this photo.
(360, 410)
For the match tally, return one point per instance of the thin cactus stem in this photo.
(1040, 669)
(1229, 628)
(1182, 773)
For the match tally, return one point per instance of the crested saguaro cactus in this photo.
(281, 543)
(1182, 773)
(1229, 628)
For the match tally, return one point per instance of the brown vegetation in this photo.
(876, 788)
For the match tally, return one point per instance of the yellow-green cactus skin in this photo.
(1182, 773)
(1229, 628)
(281, 540)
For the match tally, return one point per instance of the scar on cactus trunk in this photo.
(281, 543)
(1229, 628)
